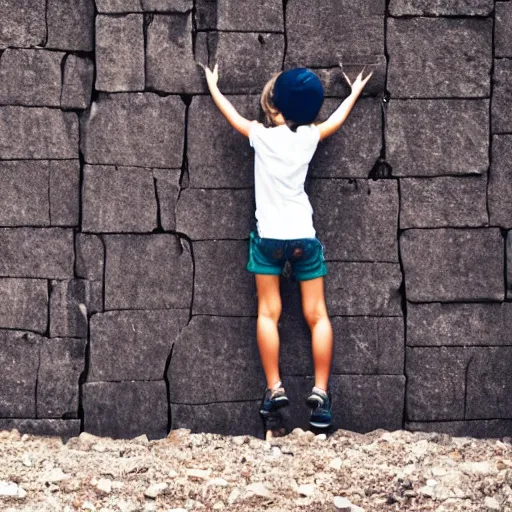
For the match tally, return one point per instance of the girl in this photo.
(291, 101)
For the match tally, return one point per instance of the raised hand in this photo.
(359, 83)
(212, 77)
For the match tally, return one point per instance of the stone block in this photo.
(205, 214)
(62, 363)
(24, 304)
(445, 265)
(147, 272)
(120, 53)
(31, 78)
(70, 25)
(220, 266)
(509, 265)
(117, 199)
(356, 220)
(220, 355)
(361, 289)
(30, 252)
(503, 30)
(212, 163)
(37, 133)
(125, 409)
(45, 427)
(169, 6)
(480, 428)
(68, 308)
(118, 127)
(500, 182)
(145, 338)
(452, 56)
(23, 23)
(440, 324)
(167, 183)
(64, 192)
(438, 137)
(90, 256)
(125, 6)
(443, 202)
(77, 82)
(501, 106)
(445, 8)
(19, 360)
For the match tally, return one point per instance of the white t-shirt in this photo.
(283, 210)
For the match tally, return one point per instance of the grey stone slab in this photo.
(501, 106)
(118, 127)
(500, 182)
(480, 429)
(62, 363)
(119, 6)
(36, 252)
(167, 183)
(145, 338)
(363, 289)
(70, 25)
(206, 214)
(24, 304)
(90, 255)
(213, 163)
(440, 324)
(23, 23)
(19, 360)
(147, 272)
(441, 8)
(452, 56)
(120, 53)
(125, 6)
(443, 202)
(503, 30)
(444, 265)
(77, 82)
(438, 137)
(37, 133)
(24, 193)
(30, 78)
(95, 297)
(125, 409)
(222, 285)
(118, 199)
(44, 427)
(68, 308)
(64, 192)
(168, 6)
(356, 219)
(220, 355)
(509, 265)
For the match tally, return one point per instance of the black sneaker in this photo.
(273, 399)
(320, 403)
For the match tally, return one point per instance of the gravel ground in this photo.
(348, 472)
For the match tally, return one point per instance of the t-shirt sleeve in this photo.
(315, 134)
(255, 133)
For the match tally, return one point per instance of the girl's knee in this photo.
(270, 310)
(314, 315)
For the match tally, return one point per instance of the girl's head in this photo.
(296, 94)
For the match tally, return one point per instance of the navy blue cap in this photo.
(298, 95)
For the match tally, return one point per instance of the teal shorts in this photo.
(269, 255)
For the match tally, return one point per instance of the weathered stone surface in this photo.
(44, 427)
(501, 106)
(439, 324)
(125, 409)
(443, 202)
(45, 252)
(503, 30)
(509, 265)
(62, 362)
(89, 256)
(77, 82)
(19, 360)
(26, 133)
(144, 337)
(70, 25)
(363, 289)
(211, 162)
(438, 137)
(212, 214)
(119, 6)
(453, 264)
(167, 183)
(64, 192)
(117, 199)
(124, 6)
(24, 304)
(479, 428)
(441, 8)
(220, 356)
(23, 23)
(220, 266)
(118, 127)
(361, 213)
(68, 308)
(500, 182)
(120, 53)
(147, 272)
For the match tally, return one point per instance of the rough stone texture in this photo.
(120, 53)
(500, 182)
(89, 256)
(118, 127)
(117, 199)
(147, 272)
(453, 264)
(501, 101)
(68, 308)
(125, 409)
(119, 6)
(45, 427)
(64, 192)
(167, 183)
(443, 202)
(212, 214)
(440, 8)
(503, 30)
(77, 82)
(24, 304)
(124, 6)
(453, 57)
(438, 137)
(362, 213)
(509, 265)
(146, 338)
(23, 23)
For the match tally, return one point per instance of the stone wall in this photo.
(126, 201)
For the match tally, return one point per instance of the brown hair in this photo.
(266, 102)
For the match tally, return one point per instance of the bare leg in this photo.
(269, 311)
(315, 313)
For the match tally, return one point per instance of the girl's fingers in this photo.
(216, 68)
(347, 79)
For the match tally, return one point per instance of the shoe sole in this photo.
(319, 425)
(279, 404)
